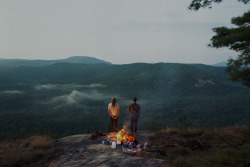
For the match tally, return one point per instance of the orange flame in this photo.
(121, 135)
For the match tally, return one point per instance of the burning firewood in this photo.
(122, 136)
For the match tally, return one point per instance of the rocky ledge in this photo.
(80, 150)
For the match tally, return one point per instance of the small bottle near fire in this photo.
(119, 144)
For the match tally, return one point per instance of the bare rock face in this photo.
(202, 83)
(80, 150)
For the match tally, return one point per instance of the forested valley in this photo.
(71, 98)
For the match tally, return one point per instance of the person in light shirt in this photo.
(113, 109)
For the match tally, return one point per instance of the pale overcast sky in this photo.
(118, 31)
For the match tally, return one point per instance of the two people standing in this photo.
(134, 108)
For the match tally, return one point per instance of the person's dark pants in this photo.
(133, 121)
(112, 123)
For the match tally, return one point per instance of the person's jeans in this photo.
(112, 123)
(133, 121)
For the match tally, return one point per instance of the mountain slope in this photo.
(68, 98)
(75, 59)
(177, 78)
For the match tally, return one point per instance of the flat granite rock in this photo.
(80, 150)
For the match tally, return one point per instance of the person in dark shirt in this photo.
(134, 114)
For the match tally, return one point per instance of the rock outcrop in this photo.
(80, 150)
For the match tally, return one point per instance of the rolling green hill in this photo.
(67, 98)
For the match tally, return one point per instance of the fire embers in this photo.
(122, 136)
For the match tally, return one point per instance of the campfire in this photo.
(122, 136)
(123, 140)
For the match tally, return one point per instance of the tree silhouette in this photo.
(237, 39)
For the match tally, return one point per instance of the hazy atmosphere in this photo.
(121, 32)
(138, 83)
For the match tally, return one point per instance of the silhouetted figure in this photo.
(113, 109)
(134, 114)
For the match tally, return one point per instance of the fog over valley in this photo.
(69, 98)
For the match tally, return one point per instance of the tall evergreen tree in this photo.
(237, 39)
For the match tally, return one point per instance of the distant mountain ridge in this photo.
(74, 59)
(168, 76)
(220, 64)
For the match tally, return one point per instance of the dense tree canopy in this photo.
(236, 38)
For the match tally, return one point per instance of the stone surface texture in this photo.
(80, 150)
